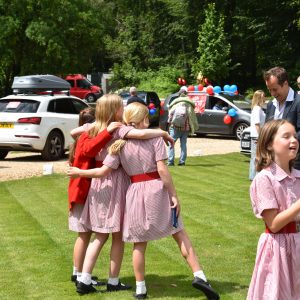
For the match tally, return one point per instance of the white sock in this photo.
(200, 274)
(86, 278)
(78, 275)
(141, 287)
(113, 281)
(75, 270)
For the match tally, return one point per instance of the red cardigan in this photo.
(84, 158)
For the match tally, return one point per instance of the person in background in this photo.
(182, 121)
(134, 97)
(298, 84)
(218, 105)
(286, 102)
(257, 121)
(275, 198)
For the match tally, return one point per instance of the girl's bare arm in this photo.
(91, 173)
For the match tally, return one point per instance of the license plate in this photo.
(245, 144)
(6, 125)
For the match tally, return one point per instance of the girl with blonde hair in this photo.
(104, 206)
(257, 121)
(150, 199)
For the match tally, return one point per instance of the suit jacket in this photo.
(292, 114)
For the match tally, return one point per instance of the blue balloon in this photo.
(217, 89)
(226, 88)
(196, 88)
(233, 88)
(152, 111)
(232, 112)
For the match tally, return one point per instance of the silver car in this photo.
(211, 121)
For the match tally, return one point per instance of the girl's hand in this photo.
(175, 204)
(73, 172)
(113, 126)
(168, 139)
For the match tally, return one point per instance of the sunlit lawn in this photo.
(36, 246)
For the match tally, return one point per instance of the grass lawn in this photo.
(36, 246)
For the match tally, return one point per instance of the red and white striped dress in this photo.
(104, 207)
(147, 212)
(276, 274)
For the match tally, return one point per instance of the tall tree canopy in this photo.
(131, 37)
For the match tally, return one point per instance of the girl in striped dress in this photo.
(275, 197)
(149, 199)
(104, 207)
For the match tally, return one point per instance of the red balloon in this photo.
(183, 81)
(227, 119)
(200, 87)
(236, 92)
(161, 112)
(151, 105)
(191, 88)
(210, 90)
(179, 81)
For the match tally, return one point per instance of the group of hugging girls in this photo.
(120, 185)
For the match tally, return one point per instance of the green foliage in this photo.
(213, 49)
(36, 245)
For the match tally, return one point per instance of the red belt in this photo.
(144, 177)
(99, 163)
(289, 228)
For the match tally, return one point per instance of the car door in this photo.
(64, 116)
(213, 120)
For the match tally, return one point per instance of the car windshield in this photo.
(239, 100)
(19, 106)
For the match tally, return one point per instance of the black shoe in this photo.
(119, 287)
(74, 278)
(82, 288)
(140, 296)
(181, 164)
(95, 281)
(206, 288)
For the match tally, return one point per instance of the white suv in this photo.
(38, 123)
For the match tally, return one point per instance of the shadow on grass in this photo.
(180, 286)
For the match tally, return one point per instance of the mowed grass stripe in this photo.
(34, 257)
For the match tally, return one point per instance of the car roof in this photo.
(40, 97)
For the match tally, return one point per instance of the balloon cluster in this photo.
(181, 81)
(213, 89)
(152, 109)
(231, 114)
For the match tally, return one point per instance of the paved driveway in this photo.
(26, 164)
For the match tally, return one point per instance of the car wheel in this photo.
(54, 147)
(90, 98)
(3, 153)
(238, 130)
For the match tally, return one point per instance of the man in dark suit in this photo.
(286, 102)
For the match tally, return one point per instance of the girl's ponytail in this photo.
(116, 147)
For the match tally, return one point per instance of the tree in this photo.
(213, 49)
(46, 36)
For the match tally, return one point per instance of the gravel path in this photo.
(19, 165)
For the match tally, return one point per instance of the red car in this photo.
(82, 88)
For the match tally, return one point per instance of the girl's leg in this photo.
(80, 247)
(84, 285)
(138, 260)
(116, 254)
(116, 257)
(188, 252)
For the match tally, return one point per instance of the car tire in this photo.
(238, 129)
(54, 147)
(3, 154)
(90, 98)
